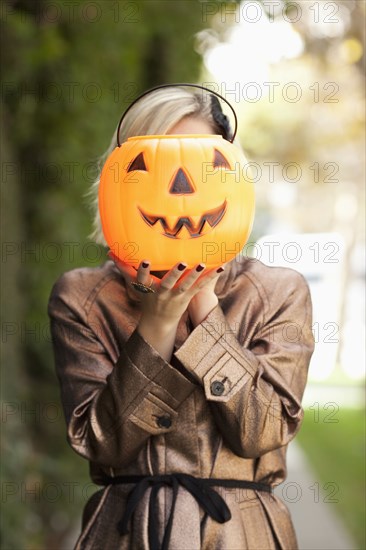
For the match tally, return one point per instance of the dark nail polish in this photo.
(200, 267)
(220, 270)
(145, 265)
(181, 267)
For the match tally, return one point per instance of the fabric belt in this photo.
(200, 488)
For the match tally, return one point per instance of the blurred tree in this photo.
(69, 70)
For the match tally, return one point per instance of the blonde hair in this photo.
(155, 113)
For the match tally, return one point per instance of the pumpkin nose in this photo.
(181, 184)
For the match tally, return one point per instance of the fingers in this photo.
(182, 280)
(170, 279)
(179, 277)
(208, 277)
(143, 273)
(190, 278)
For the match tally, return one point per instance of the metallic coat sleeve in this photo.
(255, 390)
(111, 409)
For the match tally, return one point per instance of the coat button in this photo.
(217, 388)
(164, 421)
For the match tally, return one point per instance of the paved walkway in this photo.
(317, 526)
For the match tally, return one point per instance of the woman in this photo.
(200, 379)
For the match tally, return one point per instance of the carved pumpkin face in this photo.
(176, 198)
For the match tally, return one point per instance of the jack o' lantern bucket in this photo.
(176, 198)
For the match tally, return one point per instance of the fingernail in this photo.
(145, 264)
(181, 267)
(220, 270)
(200, 267)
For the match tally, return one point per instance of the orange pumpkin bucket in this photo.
(176, 198)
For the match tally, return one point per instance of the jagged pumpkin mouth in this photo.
(195, 227)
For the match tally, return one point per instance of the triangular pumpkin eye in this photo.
(219, 160)
(137, 164)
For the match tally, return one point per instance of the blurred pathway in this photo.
(316, 525)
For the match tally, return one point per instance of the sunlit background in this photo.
(301, 112)
(294, 72)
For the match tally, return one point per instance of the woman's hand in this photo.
(162, 309)
(203, 303)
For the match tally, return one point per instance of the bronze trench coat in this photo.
(116, 388)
